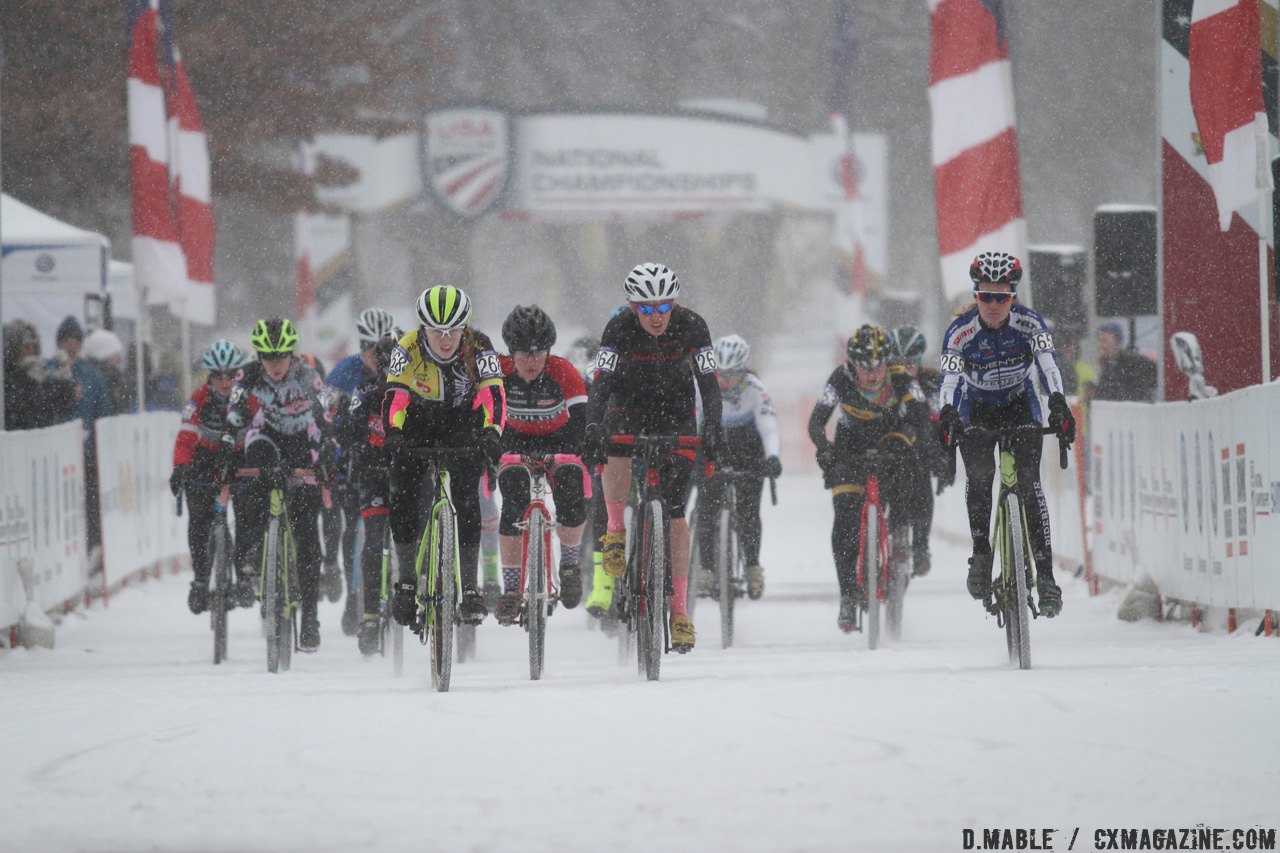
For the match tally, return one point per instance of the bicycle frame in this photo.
(1011, 537)
(651, 533)
(538, 591)
(439, 587)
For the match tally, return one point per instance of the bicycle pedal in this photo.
(681, 648)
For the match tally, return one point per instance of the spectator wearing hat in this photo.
(1125, 373)
(104, 350)
(33, 396)
(94, 403)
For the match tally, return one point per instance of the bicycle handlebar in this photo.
(546, 462)
(749, 474)
(657, 441)
(1003, 434)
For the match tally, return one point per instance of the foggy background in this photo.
(267, 75)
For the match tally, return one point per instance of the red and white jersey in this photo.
(541, 407)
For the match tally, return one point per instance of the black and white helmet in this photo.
(373, 325)
(652, 283)
(732, 353)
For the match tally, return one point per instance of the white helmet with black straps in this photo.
(373, 325)
(732, 353)
(652, 283)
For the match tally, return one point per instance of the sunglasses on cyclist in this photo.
(997, 296)
(222, 374)
(647, 308)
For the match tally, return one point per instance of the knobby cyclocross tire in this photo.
(390, 569)
(1017, 614)
(871, 575)
(899, 575)
(653, 620)
(272, 595)
(535, 592)
(444, 597)
(726, 559)
(220, 598)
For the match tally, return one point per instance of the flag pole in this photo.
(1264, 214)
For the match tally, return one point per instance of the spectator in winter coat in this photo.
(33, 397)
(104, 350)
(94, 404)
(1126, 374)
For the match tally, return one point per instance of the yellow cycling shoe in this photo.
(683, 635)
(613, 546)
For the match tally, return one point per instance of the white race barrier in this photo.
(42, 517)
(1186, 496)
(140, 527)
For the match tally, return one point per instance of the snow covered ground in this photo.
(126, 737)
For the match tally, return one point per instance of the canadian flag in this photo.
(1226, 96)
(977, 186)
(173, 227)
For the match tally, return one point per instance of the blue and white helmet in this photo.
(651, 283)
(222, 355)
(732, 353)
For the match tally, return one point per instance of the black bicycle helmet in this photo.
(528, 328)
(868, 347)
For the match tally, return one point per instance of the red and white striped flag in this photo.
(169, 169)
(305, 287)
(189, 172)
(1226, 96)
(977, 187)
(158, 262)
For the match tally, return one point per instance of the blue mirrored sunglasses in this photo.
(647, 308)
(997, 296)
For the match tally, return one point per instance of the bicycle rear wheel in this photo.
(1016, 596)
(726, 562)
(444, 598)
(390, 569)
(899, 575)
(653, 620)
(535, 592)
(871, 575)
(220, 598)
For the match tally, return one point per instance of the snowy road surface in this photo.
(126, 737)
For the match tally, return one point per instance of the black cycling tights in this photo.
(408, 482)
(979, 453)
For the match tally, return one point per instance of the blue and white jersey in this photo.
(993, 366)
(747, 404)
(348, 375)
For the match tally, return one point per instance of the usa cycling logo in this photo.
(466, 155)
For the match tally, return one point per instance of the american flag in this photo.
(977, 187)
(849, 236)
(1226, 95)
(173, 228)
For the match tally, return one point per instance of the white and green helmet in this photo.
(444, 308)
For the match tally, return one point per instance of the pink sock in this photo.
(680, 598)
(617, 523)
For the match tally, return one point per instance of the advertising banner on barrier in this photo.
(42, 507)
(140, 525)
(1185, 495)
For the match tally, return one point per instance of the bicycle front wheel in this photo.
(871, 575)
(726, 561)
(1015, 593)
(656, 550)
(220, 599)
(273, 595)
(535, 591)
(444, 598)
